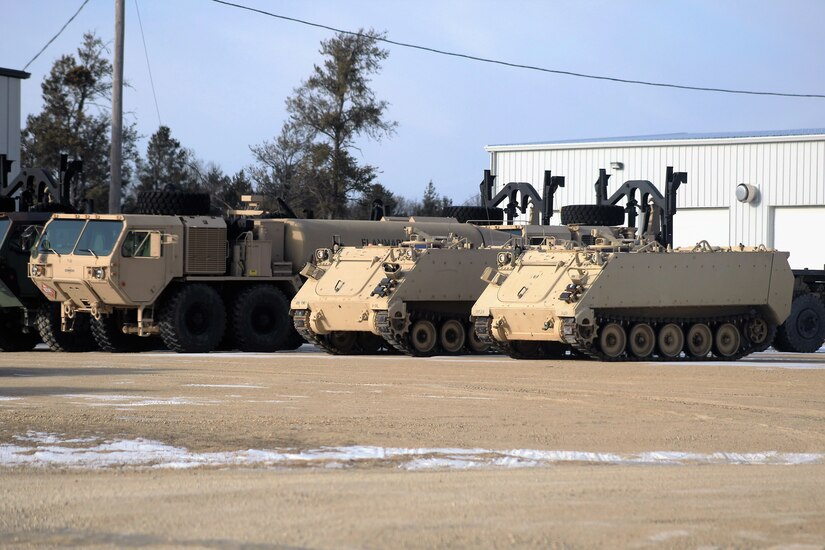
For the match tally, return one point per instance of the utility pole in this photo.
(116, 152)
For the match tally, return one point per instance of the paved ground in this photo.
(308, 450)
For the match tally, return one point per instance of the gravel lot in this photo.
(307, 450)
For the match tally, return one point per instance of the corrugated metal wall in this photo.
(10, 119)
(787, 173)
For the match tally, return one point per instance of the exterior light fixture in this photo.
(616, 165)
(746, 192)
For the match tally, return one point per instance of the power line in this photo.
(148, 65)
(43, 49)
(519, 65)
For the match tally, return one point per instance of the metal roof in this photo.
(14, 74)
(681, 136)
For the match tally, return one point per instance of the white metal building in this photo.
(10, 114)
(787, 168)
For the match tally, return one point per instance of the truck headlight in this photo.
(99, 273)
(38, 270)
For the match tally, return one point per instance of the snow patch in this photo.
(38, 449)
(7, 398)
(224, 386)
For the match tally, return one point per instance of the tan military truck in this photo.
(193, 279)
(622, 298)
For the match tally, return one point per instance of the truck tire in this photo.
(193, 319)
(260, 319)
(592, 214)
(108, 333)
(173, 203)
(8, 204)
(478, 214)
(78, 340)
(12, 337)
(804, 329)
(293, 340)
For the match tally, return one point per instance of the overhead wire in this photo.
(148, 65)
(520, 65)
(66, 24)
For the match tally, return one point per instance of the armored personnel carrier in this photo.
(414, 297)
(194, 279)
(633, 297)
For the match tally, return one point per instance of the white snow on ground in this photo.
(44, 449)
(130, 401)
(223, 386)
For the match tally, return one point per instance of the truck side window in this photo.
(136, 245)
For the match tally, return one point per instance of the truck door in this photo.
(142, 266)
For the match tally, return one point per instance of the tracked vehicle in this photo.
(414, 297)
(632, 297)
(197, 281)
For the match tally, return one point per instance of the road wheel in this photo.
(452, 336)
(260, 319)
(612, 340)
(804, 329)
(671, 340)
(642, 340)
(699, 340)
(423, 337)
(727, 340)
(592, 214)
(193, 319)
(474, 342)
(108, 333)
(78, 340)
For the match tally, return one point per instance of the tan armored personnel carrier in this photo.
(414, 297)
(632, 297)
(191, 279)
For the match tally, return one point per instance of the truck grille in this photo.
(206, 251)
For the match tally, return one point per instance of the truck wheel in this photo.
(260, 319)
(592, 214)
(479, 214)
(193, 320)
(108, 333)
(78, 340)
(804, 329)
(12, 337)
(173, 203)
(293, 341)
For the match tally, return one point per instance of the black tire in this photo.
(293, 340)
(804, 329)
(260, 319)
(476, 214)
(192, 319)
(173, 203)
(592, 214)
(80, 339)
(8, 204)
(108, 333)
(12, 337)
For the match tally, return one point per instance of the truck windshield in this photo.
(98, 238)
(4, 226)
(60, 236)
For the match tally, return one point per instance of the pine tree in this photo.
(76, 119)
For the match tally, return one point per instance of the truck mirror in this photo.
(155, 245)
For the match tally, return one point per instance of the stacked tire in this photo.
(480, 215)
(173, 203)
(592, 214)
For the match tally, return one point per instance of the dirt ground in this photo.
(305, 450)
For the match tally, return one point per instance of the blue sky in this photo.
(222, 74)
